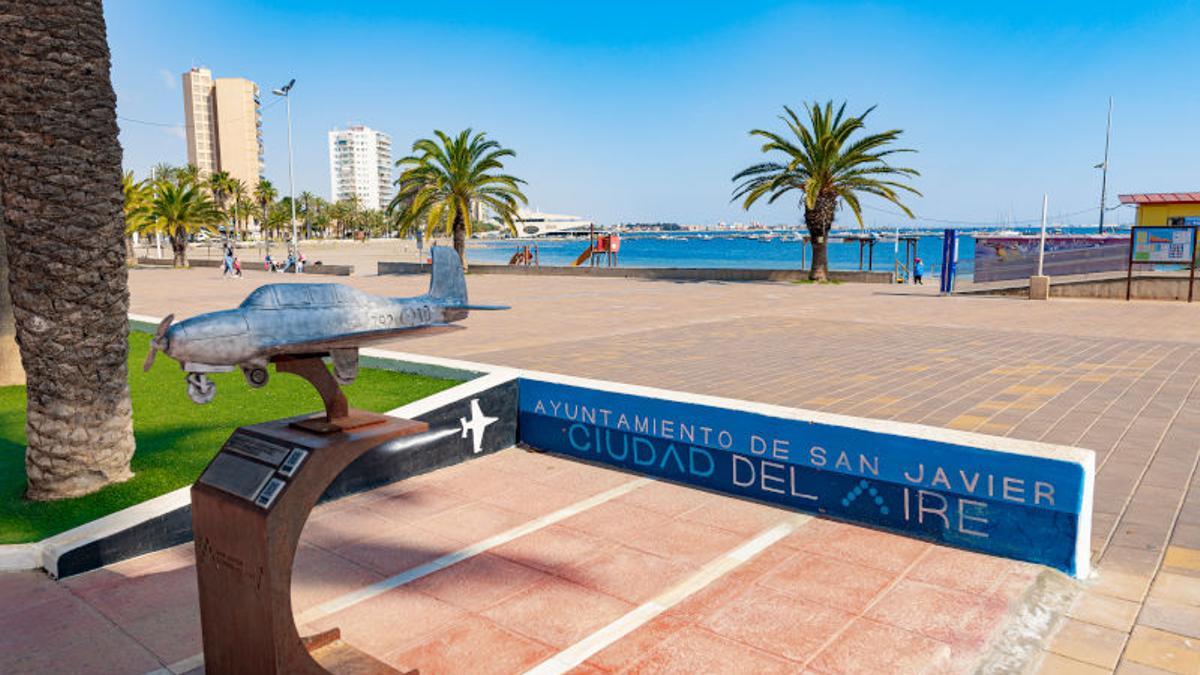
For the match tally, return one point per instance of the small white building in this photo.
(538, 224)
(360, 164)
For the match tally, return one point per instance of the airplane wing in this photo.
(360, 338)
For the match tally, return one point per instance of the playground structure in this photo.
(905, 263)
(526, 255)
(604, 247)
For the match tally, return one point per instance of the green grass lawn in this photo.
(175, 437)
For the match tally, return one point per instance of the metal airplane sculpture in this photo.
(305, 319)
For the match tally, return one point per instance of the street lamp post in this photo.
(1103, 166)
(285, 91)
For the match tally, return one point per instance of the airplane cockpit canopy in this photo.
(274, 296)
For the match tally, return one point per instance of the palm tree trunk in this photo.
(60, 173)
(179, 248)
(11, 371)
(819, 220)
(460, 238)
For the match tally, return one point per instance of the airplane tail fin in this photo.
(447, 284)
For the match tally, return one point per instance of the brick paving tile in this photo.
(479, 582)
(336, 527)
(531, 499)
(962, 620)
(835, 583)
(398, 549)
(395, 620)
(1103, 610)
(1089, 643)
(626, 573)
(1182, 559)
(669, 499)
(1131, 668)
(731, 586)
(552, 548)
(742, 517)
(65, 635)
(694, 650)
(777, 623)
(415, 505)
(557, 612)
(319, 576)
(472, 522)
(473, 645)
(637, 644)
(963, 570)
(682, 541)
(1056, 664)
(1161, 649)
(1170, 616)
(869, 647)
(1176, 588)
(159, 610)
(22, 591)
(860, 545)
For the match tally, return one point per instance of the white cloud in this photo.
(177, 131)
(168, 78)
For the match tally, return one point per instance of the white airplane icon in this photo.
(476, 425)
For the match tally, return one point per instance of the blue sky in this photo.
(639, 111)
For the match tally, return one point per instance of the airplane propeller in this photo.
(157, 344)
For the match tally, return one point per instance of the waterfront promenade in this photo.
(1118, 378)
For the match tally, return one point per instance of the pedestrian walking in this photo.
(919, 271)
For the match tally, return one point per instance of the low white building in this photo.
(360, 165)
(537, 224)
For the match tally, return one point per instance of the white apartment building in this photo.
(360, 164)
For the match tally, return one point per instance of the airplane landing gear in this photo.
(255, 376)
(200, 388)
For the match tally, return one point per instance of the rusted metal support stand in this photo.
(338, 415)
(248, 510)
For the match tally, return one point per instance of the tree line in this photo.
(179, 202)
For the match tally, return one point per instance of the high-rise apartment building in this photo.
(360, 164)
(224, 125)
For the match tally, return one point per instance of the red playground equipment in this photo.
(605, 246)
(526, 255)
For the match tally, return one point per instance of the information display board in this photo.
(1001, 496)
(1165, 245)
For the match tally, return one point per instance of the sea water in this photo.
(726, 251)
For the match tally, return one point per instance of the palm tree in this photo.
(265, 193)
(189, 174)
(218, 184)
(162, 171)
(826, 163)
(180, 210)
(444, 178)
(306, 200)
(139, 196)
(238, 200)
(60, 181)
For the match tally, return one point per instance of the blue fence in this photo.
(976, 492)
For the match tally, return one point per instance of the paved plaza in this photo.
(620, 573)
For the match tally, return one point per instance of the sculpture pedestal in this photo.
(248, 510)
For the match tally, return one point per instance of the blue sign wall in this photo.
(1013, 505)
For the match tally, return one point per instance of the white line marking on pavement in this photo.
(380, 587)
(408, 576)
(642, 614)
